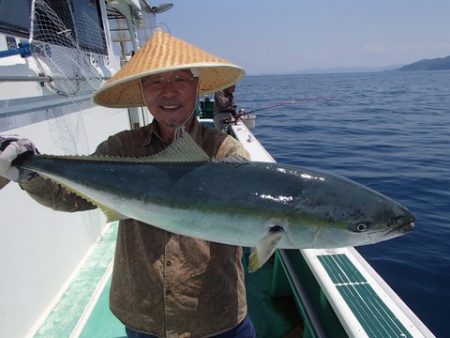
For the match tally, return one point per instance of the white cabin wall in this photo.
(41, 247)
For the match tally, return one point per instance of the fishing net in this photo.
(69, 70)
(69, 49)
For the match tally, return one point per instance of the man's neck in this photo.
(168, 133)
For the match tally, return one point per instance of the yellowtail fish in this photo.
(253, 204)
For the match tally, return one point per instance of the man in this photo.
(163, 284)
(224, 107)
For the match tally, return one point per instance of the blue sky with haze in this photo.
(295, 35)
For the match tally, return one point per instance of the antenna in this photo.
(162, 8)
(156, 9)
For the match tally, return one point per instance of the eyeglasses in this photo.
(159, 83)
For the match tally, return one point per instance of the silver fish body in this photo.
(236, 203)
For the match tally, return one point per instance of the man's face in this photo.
(171, 96)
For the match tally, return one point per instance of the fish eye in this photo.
(361, 227)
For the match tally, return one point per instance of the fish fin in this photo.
(110, 214)
(265, 248)
(185, 149)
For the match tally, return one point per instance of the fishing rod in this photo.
(279, 104)
(242, 112)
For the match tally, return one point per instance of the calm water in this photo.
(389, 131)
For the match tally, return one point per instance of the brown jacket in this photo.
(166, 284)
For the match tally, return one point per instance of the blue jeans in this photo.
(245, 329)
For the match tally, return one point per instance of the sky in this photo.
(283, 36)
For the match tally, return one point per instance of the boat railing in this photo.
(24, 78)
(23, 50)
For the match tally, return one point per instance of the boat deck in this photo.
(85, 299)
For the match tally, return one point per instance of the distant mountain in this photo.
(332, 70)
(346, 70)
(429, 64)
(425, 64)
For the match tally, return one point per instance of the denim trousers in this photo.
(245, 329)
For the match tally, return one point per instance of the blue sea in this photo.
(389, 131)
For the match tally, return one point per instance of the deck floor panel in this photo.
(65, 315)
(272, 316)
(369, 309)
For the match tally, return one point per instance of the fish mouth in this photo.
(402, 225)
(406, 227)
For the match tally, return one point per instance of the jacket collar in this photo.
(153, 133)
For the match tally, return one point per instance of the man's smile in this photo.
(170, 107)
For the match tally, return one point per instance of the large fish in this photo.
(259, 205)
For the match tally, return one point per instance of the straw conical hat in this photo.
(162, 53)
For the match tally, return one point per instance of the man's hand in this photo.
(11, 147)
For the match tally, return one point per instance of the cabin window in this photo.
(89, 26)
(14, 17)
(53, 23)
(61, 22)
(78, 23)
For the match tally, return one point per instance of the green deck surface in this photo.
(370, 310)
(64, 317)
(101, 322)
(273, 316)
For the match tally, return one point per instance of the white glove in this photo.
(11, 147)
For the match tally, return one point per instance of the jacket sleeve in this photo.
(52, 195)
(231, 146)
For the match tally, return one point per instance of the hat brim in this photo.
(165, 53)
(126, 92)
